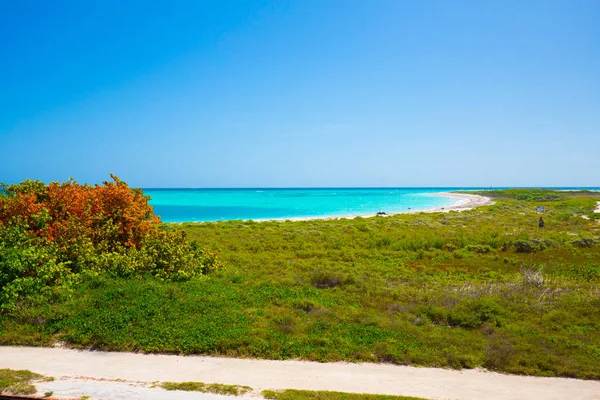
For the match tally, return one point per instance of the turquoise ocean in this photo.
(202, 205)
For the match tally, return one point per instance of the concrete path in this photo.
(113, 390)
(429, 383)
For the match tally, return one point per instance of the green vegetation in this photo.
(537, 195)
(484, 287)
(218, 388)
(323, 395)
(53, 236)
(19, 382)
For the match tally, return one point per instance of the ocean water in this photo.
(201, 205)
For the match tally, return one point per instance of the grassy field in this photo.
(484, 287)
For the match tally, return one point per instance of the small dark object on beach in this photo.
(541, 222)
(381, 213)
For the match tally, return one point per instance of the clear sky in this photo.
(301, 93)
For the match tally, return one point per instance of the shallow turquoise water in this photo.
(199, 205)
(187, 205)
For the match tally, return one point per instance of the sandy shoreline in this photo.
(73, 368)
(466, 201)
(597, 210)
(463, 202)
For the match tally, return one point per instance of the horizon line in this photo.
(364, 187)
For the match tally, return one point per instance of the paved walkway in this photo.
(111, 390)
(429, 383)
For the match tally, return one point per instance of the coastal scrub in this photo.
(451, 290)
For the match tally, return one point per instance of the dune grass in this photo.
(326, 395)
(217, 388)
(19, 381)
(484, 287)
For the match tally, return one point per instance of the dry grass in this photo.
(19, 381)
(217, 388)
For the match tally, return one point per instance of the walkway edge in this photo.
(430, 383)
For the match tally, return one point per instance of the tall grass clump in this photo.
(16, 382)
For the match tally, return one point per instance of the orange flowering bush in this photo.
(111, 213)
(68, 228)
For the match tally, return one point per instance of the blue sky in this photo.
(303, 93)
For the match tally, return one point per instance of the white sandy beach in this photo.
(76, 371)
(465, 201)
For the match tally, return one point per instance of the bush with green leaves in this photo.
(29, 265)
(51, 236)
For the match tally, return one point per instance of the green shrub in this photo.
(50, 236)
(585, 272)
(584, 242)
(169, 255)
(482, 249)
(328, 279)
(526, 246)
(29, 266)
(499, 353)
(473, 313)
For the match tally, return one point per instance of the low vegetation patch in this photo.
(451, 290)
(325, 395)
(19, 382)
(218, 388)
